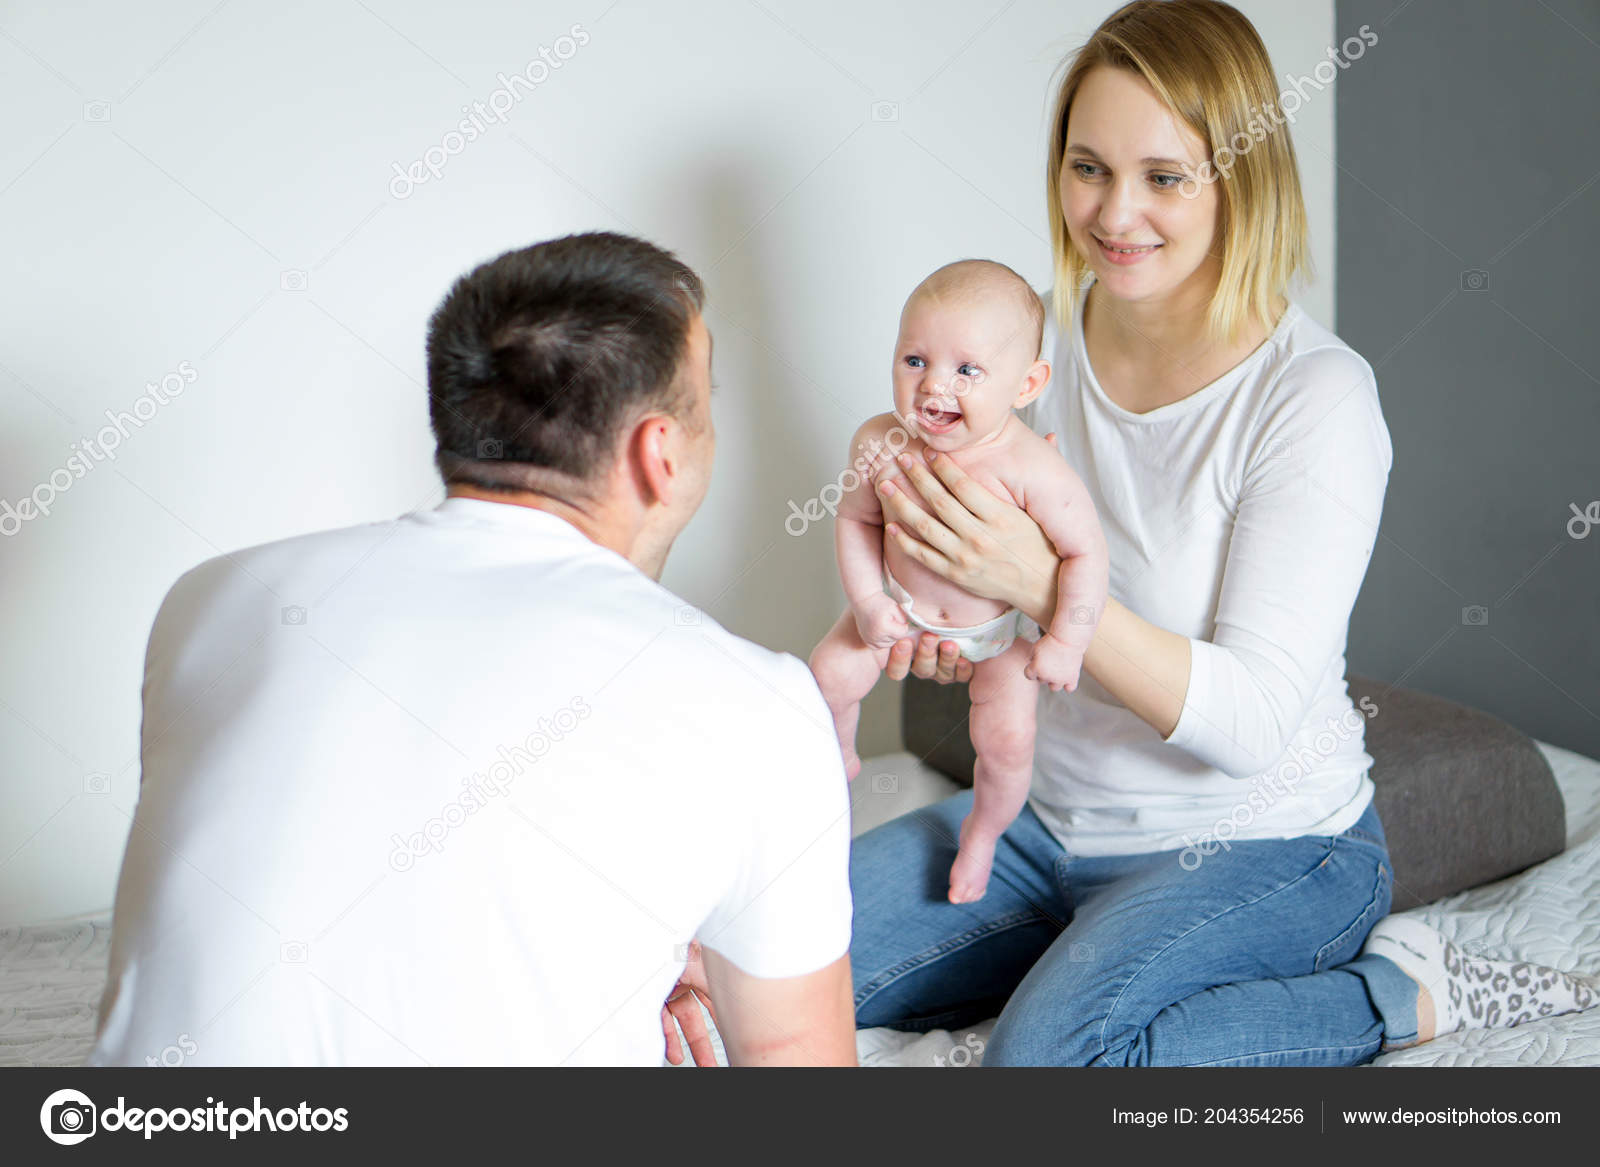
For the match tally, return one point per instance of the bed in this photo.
(1549, 914)
(51, 974)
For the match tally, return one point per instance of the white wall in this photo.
(164, 165)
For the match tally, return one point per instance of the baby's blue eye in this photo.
(970, 371)
(915, 362)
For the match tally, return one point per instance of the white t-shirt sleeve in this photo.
(788, 911)
(1311, 498)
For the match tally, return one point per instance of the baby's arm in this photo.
(858, 541)
(1056, 498)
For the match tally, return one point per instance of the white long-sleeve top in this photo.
(1242, 517)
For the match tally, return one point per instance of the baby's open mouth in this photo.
(939, 418)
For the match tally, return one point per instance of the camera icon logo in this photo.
(885, 111)
(491, 448)
(686, 617)
(885, 783)
(1278, 450)
(1080, 952)
(294, 614)
(97, 111)
(1081, 614)
(1475, 616)
(292, 952)
(97, 783)
(680, 952)
(294, 280)
(67, 1117)
(1474, 280)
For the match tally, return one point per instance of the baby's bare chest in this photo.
(999, 472)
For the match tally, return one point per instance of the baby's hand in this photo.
(1054, 663)
(880, 621)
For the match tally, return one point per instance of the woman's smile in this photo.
(1125, 253)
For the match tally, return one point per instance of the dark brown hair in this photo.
(538, 358)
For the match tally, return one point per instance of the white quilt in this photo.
(51, 975)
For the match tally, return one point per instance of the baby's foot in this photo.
(969, 874)
(1471, 993)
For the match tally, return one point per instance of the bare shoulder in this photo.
(1034, 470)
(878, 426)
(877, 440)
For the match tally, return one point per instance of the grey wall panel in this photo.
(1468, 249)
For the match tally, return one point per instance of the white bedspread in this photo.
(51, 975)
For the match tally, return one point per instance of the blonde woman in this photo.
(1200, 864)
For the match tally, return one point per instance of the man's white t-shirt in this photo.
(1242, 517)
(456, 789)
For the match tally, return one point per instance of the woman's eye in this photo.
(970, 371)
(914, 362)
(1170, 180)
(1083, 169)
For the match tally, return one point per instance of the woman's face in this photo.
(1122, 187)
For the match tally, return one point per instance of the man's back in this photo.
(458, 789)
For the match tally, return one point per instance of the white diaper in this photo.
(979, 642)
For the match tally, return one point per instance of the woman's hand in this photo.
(974, 539)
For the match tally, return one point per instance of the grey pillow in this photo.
(1465, 799)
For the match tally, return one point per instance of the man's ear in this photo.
(1033, 384)
(651, 459)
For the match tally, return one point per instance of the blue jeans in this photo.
(1248, 956)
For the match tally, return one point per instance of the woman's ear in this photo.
(1033, 384)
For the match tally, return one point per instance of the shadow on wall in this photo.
(777, 432)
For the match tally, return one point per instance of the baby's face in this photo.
(959, 367)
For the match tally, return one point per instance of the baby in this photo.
(966, 357)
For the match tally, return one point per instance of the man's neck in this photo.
(599, 523)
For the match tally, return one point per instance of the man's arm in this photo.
(784, 1021)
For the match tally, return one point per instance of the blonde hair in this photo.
(1206, 62)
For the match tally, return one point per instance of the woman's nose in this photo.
(1121, 208)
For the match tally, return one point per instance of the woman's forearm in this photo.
(1141, 665)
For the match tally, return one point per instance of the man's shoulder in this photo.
(736, 662)
(261, 565)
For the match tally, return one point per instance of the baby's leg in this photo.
(846, 668)
(1003, 709)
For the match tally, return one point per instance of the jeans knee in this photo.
(1022, 1037)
